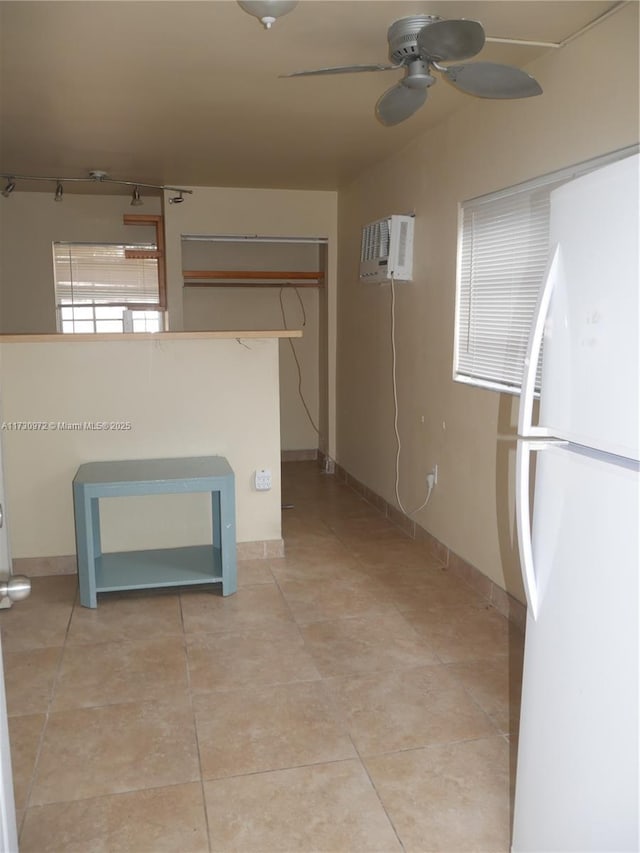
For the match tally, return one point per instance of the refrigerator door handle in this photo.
(523, 516)
(525, 415)
(523, 521)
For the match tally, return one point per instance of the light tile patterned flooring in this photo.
(351, 697)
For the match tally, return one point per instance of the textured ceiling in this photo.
(188, 93)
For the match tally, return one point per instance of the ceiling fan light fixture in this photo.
(267, 11)
(417, 76)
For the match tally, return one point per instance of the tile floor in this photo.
(352, 696)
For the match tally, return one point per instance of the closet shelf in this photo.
(252, 278)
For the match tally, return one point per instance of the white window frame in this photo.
(490, 339)
(131, 308)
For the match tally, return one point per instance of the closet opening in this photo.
(266, 283)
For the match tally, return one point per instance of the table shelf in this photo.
(159, 567)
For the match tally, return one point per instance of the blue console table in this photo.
(200, 564)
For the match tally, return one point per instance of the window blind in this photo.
(501, 267)
(503, 250)
(100, 274)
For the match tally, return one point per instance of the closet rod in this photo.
(250, 275)
(271, 283)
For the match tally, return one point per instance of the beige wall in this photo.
(245, 307)
(29, 224)
(589, 106)
(181, 398)
(263, 212)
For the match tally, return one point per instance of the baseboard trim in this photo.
(499, 598)
(263, 549)
(36, 567)
(299, 455)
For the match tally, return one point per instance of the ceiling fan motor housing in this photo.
(403, 37)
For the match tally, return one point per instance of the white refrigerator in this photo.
(578, 769)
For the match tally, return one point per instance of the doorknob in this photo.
(15, 587)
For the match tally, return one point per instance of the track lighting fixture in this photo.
(136, 200)
(96, 176)
(267, 10)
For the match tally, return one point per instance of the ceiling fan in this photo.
(419, 44)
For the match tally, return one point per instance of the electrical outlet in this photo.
(263, 480)
(432, 478)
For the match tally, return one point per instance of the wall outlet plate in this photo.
(263, 479)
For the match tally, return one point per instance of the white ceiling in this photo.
(188, 93)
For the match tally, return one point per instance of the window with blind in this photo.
(99, 288)
(503, 250)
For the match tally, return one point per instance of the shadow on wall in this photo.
(505, 494)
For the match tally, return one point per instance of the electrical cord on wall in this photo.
(295, 354)
(395, 409)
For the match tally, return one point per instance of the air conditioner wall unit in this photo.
(386, 251)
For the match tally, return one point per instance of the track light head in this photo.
(9, 188)
(176, 199)
(59, 192)
(136, 198)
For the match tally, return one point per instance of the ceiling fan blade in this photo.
(341, 69)
(399, 103)
(490, 80)
(444, 41)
